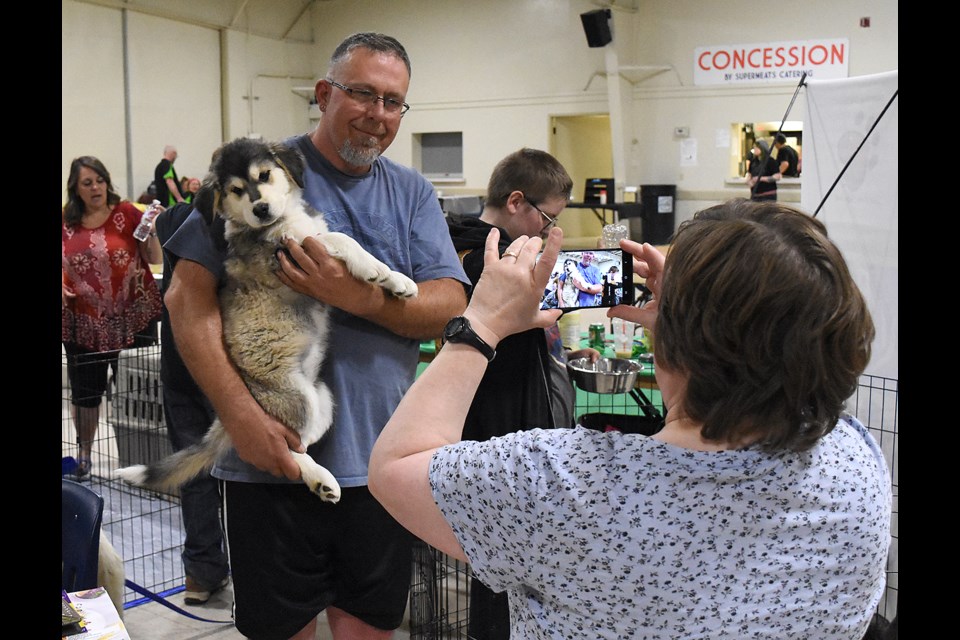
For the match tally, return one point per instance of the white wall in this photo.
(266, 70)
(496, 70)
(169, 64)
(92, 108)
(523, 61)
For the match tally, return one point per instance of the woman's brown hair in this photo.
(74, 209)
(759, 311)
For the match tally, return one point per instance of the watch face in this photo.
(458, 330)
(454, 327)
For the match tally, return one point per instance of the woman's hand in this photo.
(506, 300)
(647, 263)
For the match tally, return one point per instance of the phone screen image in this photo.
(589, 279)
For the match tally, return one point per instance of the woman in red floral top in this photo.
(109, 294)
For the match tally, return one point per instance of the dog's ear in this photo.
(291, 160)
(207, 200)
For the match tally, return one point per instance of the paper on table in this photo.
(101, 617)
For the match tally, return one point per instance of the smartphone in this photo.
(589, 279)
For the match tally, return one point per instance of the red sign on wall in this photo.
(770, 62)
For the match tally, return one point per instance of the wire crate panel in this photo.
(138, 400)
(137, 445)
(439, 595)
(144, 527)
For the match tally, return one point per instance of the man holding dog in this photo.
(293, 555)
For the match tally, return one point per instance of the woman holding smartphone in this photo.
(760, 510)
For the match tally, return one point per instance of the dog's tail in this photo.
(170, 473)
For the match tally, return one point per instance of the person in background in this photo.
(763, 173)
(787, 157)
(760, 510)
(612, 287)
(292, 555)
(109, 297)
(591, 285)
(193, 186)
(550, 294)
(568, 284)
(525, 386)
(188, 415)
(165, 178)
(149, 195)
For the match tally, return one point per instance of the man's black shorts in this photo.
(292, 555)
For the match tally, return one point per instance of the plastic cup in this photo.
(623, 337)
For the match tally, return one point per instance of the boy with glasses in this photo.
(525, 384)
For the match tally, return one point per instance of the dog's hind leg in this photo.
(306, 406)
(319, 405)
(317, 478)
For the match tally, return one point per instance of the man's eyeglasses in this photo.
(369, 98)
(551, 221)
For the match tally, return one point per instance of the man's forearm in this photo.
(422, 317)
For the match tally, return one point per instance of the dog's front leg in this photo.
(365, 266)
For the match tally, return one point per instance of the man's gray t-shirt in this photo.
(393, 212)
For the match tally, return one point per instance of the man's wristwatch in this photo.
(459, 330)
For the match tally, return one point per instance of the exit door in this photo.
(582, 145)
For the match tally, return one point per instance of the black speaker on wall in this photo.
(596, 24)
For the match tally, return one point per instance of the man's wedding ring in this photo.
(511, 254)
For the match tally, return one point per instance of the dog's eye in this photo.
(237, 191)
(264, 176)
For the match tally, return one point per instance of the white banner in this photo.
(862, 210)
(771, 62)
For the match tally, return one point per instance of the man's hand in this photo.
(310, 270)
(265, 443)
(587, 288)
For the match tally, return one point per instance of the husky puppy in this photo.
(275, 336)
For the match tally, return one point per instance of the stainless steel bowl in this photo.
(606, 375)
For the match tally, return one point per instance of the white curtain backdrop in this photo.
(861, 213)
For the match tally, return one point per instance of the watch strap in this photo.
(458, 330)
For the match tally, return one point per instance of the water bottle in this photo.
(570, 330)
(612, 234)
(142, 232)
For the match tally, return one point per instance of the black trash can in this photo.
(659, 212)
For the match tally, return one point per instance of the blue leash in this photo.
(150, 594)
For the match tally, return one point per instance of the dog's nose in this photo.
(261, 210)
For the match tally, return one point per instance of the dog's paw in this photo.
(326, 492)
(400, 285)
(318, 479)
